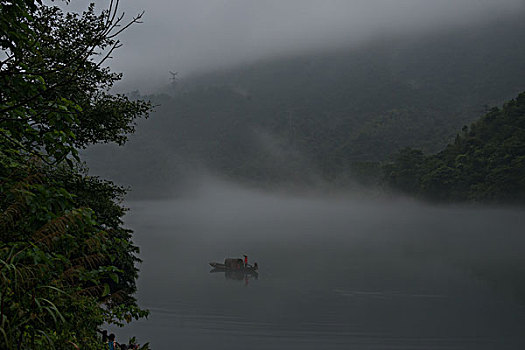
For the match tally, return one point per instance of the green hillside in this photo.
(486, 162)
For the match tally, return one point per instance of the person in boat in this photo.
(245, 261)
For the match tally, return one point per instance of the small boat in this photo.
(234, 265)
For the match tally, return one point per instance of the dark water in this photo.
(334, 273)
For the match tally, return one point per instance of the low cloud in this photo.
(192, 36)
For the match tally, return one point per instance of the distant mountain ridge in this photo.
(320, 116)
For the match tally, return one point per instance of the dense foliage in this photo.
(486, 162)
(67, 264)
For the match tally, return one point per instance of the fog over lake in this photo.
(308, 102)
(336, 272)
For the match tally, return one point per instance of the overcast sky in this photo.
(195, 35)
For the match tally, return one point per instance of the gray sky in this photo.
(195, 35)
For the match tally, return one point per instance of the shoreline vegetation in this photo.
(484, 164)
(67, 263)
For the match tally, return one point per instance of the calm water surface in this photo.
(334, 273)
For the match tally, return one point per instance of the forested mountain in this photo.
(486, 162)
(323, 116)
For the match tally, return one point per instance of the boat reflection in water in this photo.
(236, 269)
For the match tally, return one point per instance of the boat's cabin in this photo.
(234, 263)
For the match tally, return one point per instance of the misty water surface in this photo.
(335, 273)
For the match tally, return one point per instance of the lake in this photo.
(336, 272)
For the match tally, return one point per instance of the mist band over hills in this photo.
(202, 35)
(325, 117)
